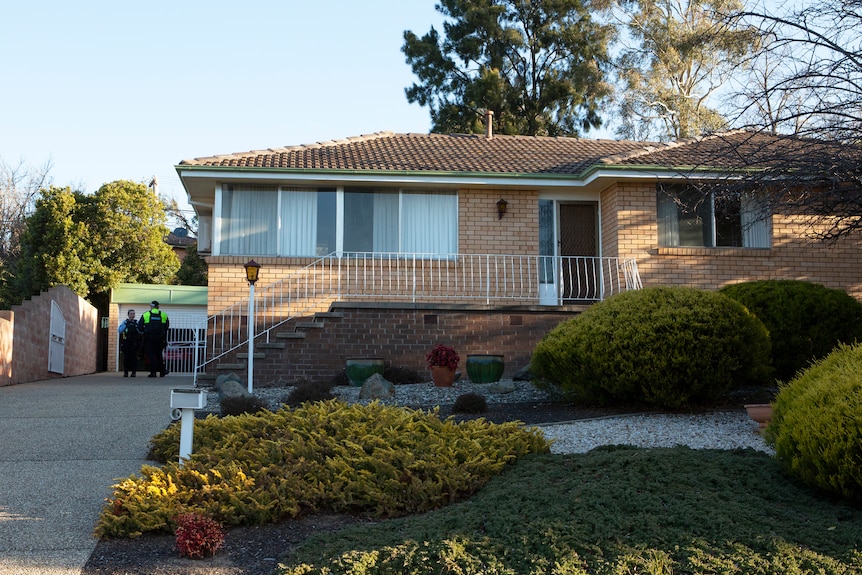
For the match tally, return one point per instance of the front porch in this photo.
(426, 285)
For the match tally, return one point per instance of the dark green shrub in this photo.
(401, 375)
(816, 426)
(664, 347)
(239, 404)
(308, 391)
(470, 403)
(805, 320)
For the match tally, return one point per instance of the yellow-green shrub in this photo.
(260, 468)
(816, 426)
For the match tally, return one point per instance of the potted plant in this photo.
(485, 367)
(443, 361)
(761, 413)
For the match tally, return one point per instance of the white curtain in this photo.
(250, 221)
(755, 221)
(385, 229)
(429, 223)
(668, 220)
(298, 222)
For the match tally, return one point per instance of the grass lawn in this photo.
(615, 510)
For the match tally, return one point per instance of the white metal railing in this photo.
(430, 278)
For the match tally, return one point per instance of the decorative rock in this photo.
(523, 374)
(231, 386)
(502, 387)
(376, 387)
(225, 377)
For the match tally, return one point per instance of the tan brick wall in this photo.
(25, 333)
(481, 232)
(226, 277)
(792, 255)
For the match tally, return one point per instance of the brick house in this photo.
(384, 245)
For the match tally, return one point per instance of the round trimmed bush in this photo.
(805, 320)
(666, 347)
(816, 426)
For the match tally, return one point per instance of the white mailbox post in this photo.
(187, 401)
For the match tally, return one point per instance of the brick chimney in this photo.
(489, 121)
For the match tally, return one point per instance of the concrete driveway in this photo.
(63, 444)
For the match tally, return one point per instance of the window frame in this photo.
(448, 208)
(748, 222)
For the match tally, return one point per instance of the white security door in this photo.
(57, 343)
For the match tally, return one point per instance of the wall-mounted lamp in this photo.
(501, 208)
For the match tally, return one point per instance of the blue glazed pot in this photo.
(485, 368)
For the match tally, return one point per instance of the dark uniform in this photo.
(130, 343)
(155, 324)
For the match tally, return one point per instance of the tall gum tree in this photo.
(681, 52)
(538, 66)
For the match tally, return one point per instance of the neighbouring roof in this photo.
(177, 239)
(475, 153)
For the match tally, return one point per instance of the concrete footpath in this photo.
(63, 444)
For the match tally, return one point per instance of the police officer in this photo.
(154, 325)
(130, 343)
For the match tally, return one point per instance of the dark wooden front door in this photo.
(579, 247)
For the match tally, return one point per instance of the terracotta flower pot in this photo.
(442, 376)
(761, 413)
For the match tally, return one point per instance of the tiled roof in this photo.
(731, 150)
(475, 153)
(464, 153)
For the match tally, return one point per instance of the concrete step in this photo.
(270, 345)
(290, 335)
(329, 315)
(231, 366)
(310, 325)
(257, 355)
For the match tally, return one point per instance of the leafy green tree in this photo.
(682, 52)
(193, 270)
(539, 66)
(92, 243)
(54, 246)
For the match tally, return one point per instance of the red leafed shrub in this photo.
(198, 536)
(443, 355)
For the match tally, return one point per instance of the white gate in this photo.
(185, 339)
(57, 343)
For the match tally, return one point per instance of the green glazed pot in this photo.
(360, 369)
(485, 368)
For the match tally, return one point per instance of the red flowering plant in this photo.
(443, 355)
(198, 536)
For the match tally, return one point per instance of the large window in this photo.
(688, 217)
(250, 220)
(317, 221)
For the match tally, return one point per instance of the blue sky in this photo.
(120, 90)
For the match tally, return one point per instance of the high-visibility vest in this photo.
(155, 321)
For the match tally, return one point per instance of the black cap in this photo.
(154, 303)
